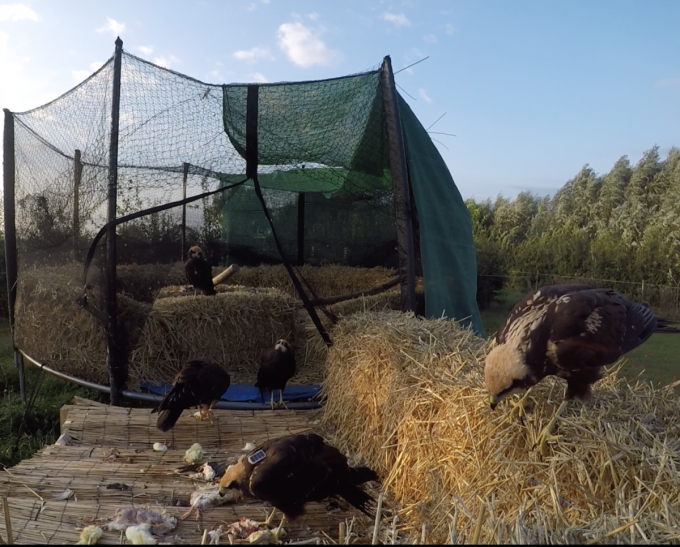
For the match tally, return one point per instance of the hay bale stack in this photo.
(328, 280)
(408, 395)
(53, 329)
(232, 328)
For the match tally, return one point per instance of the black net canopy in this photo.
(138, 163)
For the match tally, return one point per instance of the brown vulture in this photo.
(569, 331)
(198, 384)
(277, 366)
(199, 271)
(290, 471)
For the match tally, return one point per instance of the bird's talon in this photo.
(546, 433)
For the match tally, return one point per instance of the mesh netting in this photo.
(323, 169)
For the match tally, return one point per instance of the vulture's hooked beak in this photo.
(223, 490)
(493, 402)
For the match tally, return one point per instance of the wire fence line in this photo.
(665, 298)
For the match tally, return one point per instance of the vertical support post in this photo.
(11, 263)
(400, 186)
(116, 359)
(301, 229)
(185, 170)
(77, 177)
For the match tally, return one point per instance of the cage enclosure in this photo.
(316, 189)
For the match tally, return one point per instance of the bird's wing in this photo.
(186, 388)
(213, 381)
(593, 328)
(294, 469)
(267, 366)
(533, 307)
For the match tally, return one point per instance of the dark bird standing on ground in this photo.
(290, 471)
(199, 384)
(199, 271)
(569, 331)
(277, 366)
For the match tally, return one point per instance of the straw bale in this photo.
(408, 395)
(327, 280)
(232, 328)
(53, 329)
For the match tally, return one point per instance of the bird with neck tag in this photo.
(291, 471)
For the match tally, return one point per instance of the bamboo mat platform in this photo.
(112, 445)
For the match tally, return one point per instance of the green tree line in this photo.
(623, 225)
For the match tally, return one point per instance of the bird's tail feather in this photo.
(663, 326)
(360, 475)
(168, 418)
(358, 498)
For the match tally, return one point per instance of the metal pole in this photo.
(400, 186)
(11, 265)
(301, 229)
(116, 360)
(77, 176)
(184, 211)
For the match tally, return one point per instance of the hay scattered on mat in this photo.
(408, 394)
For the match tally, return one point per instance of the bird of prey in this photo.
(277, 366)
(290, 471)
(198, 384)
(199, 271)
(569, 331)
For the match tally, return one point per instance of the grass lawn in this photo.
(658, 359)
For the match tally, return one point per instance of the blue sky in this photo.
(533, 90)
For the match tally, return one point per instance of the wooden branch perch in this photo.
(226, 274)
(330, 300)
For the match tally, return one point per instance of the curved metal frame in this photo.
(151, 398)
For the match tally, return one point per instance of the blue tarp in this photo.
(248, 392)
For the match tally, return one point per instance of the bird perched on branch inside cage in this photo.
(290, 471)
(199, 271)
(198, 384)
(277, 366)
(569, 331)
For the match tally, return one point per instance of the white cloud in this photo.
(253, 5)
(215, 75)
(80, 75)
(313, 16)
(398, 19)
(252, 55)
(166, 62)
(17, 12)
(4, 40)
(257, 77)
(145, 50)
(303, 46)
(423, 94)
(430, 38)
(112, 26)
(449, 28)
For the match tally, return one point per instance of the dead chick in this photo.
(205, 497)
